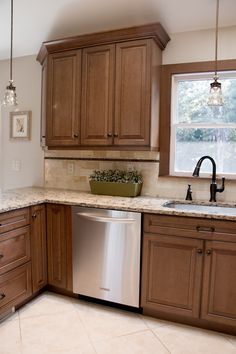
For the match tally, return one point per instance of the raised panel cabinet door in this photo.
(171, 275)
(14, 248)
(15, 287)
(38, 247)
(219, 283)
(63, 99)
(133, 93)
(97, 95)
(59, 241)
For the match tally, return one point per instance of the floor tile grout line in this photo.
(19, 324)
(164, 345)
(82, 323)
(227, 338)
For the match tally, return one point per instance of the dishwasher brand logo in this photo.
(106, 289)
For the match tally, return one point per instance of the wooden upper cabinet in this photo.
(97, 95)
(132, 93)
(63, 99)
(112, 97)
(219, 285)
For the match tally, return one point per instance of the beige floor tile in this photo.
(10, 340)
(232, 339)
(138, 343)
(103, 322)
(61, 332)
(180, 339)
(152, 322)
(45, 304)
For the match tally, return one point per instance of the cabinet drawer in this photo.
(14, 219)
(207, 229)
(14, 248)
(15, 287)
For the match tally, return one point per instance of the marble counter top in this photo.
(23, 197)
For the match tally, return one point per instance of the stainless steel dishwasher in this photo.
(106, 254)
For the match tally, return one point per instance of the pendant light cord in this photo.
(216, 34)
(11, 40)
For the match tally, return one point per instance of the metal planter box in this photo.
(116, 189)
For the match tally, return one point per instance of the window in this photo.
(197, 129)
(189, 128)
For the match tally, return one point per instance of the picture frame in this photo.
(20, 125)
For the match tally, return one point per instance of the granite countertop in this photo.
(23, 197)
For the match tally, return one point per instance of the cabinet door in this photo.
(38, 247)
(63, 99)
(132, 100)
(15, 287)
(219, 283)
(97, 95)
(59, 246)
(171, 275)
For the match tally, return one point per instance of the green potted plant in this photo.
(116, 182)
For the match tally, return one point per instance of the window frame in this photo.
(167, 71)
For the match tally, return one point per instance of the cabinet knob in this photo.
(109, 135)
(2, 296)
(34, 216)
(115, 135)
(76, 135)
(1, 256)
(208, 252)
(199, 250)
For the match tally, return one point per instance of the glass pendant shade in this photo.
(215, 97)
(10, 97)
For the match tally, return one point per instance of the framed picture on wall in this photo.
(20, 125)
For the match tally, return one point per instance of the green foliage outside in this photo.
(193, 109)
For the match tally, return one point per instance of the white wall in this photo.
(27, 78)
(200, 46)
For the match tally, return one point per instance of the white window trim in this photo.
(174, 87)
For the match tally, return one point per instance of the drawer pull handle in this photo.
(2, 296)
(199, 250)
(208, 252)
(1, 256)
(205, 229)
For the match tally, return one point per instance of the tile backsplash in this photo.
(70, 169)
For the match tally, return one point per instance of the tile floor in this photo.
(54, 324)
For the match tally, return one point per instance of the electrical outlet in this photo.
(70, 168)
(130, 167)
(16, 165)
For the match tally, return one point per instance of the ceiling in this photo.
(36, 21)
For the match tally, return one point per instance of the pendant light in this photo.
(215, 96)
(10, 98)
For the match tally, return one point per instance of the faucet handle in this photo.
(222, 188)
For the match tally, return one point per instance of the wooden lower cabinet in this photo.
(38, 247)
(15, 287)
(171, 277)
(190, 278)
(59, 242)
(219, 283)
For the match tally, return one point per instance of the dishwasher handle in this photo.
(93, 217)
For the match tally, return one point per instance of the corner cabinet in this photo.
(188, 271)
(104, 92)
(59, 242)
(38, 247)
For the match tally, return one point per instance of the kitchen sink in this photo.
(205, 208)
